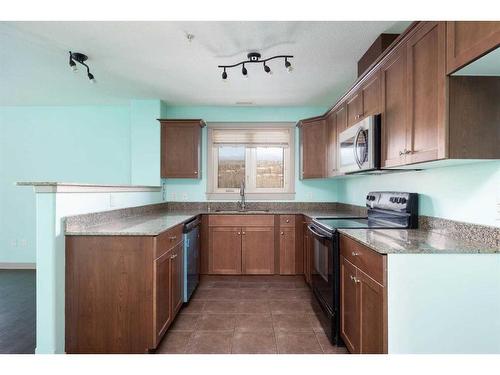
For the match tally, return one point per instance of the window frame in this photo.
(252, 193)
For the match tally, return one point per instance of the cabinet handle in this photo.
(356, 280)
(408, 151)
(401, 153)
(239, 233)
(173, 256)
(282, 233)
(354, 254)
(243, 233)
(287, 220)
(173, 238)
(195, 172)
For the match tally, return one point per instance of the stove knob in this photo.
(392, 199)
(368, 198)
(404, 200)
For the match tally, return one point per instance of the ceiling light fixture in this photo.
(254, 58)
(80, 58)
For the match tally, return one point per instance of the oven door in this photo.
(322, 277)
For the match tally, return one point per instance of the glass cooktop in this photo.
(354, 223)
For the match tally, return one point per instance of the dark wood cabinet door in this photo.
(225, 250)
(257, 250)
(394, 109)
(180, 149)
(349, 309)
(468, 40)
(354, 108)
(177, 272)
(313, 149)
(331, 125)
(162, 298)
(426, 84)
(306, 249)
(341, 118)
(287, 251)
(371, 95)
(371, 315)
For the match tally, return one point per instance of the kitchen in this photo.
(362, 223)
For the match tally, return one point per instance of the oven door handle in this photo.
(310, 227)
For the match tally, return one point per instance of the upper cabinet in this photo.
(394, 109)
(468, 40)
(313, 148)
(331, 129)
(365, 101)
(427, 114)
(181, 148)
(426, 85)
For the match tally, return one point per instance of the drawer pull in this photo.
(282, 233)
(243, 233)
(355, 254)
(173, 256)
(287, 220)
(239, 233)
(173, 238)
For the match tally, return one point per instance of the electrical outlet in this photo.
(13, 243)
(23, 243)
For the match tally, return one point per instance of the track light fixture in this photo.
(80, 58)
(254, 58)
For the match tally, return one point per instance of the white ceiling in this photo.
(141, 60)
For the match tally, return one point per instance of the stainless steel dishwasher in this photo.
(191, 234)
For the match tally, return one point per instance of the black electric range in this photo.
(386, 210)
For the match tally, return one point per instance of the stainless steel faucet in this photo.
(242, 195)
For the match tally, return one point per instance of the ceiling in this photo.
(155, 60)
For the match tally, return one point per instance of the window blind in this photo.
(256, 137)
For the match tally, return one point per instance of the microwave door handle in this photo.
(355, 148)
(316, 233)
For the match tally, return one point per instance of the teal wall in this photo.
(72, 144)
(145, 141)
(468, 193)
(194, 190)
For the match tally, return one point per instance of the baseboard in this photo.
(17, 266)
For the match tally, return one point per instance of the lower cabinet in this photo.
(287, 251)
(253, 245)
(247, 248)
(122, 292)
(363, 304)
(224, 250)
(257, 250)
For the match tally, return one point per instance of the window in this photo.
(260, 157)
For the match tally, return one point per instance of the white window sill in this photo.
(251, 196)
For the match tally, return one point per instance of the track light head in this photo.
(267, 69)
(244, 71)
(91, 77)
(288, 66)
(72, 63)
(224, 75)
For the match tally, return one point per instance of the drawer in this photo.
(247, 220)
(287, 220)
(167, 240)
(367, 260)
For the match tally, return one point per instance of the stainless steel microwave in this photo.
(359, 146)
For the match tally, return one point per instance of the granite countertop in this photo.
(416, 241)
(154, 223)
(155, 219)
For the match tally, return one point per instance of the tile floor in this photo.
(249, 314)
